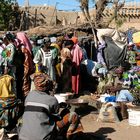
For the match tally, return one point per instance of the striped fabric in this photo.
(71, 119)
(37, 104)
(40, 81)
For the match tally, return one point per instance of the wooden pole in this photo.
(55, 16)
(55, 12)
(35, 17)
(76, 18)
(22, 21)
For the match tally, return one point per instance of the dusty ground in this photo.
(108, 131)
(94, 130)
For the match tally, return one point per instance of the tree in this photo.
(100, 6)
(117, 5)
(9, 14)
(84, 5)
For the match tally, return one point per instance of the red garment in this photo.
(75, 40)
(77, 56)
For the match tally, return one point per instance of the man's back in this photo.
(37, 124)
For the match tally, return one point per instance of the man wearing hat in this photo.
(41, 120)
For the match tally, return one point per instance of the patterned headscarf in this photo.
(40, 81)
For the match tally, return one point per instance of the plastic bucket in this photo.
(134, 117)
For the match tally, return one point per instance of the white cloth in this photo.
(1, 134)
(53, 39)
(119, 38)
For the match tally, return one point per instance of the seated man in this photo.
(41, 120)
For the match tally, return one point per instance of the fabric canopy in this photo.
(116, 46)
(114, 55)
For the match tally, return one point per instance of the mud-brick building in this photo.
(34, 16)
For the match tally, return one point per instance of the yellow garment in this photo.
(136, 37)
(6, 86)
(58, 68)
(138, 62)
(56, 46)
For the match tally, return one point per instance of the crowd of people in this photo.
(35, 68)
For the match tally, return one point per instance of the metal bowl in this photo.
(77, 102)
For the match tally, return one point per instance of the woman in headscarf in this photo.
(66, 67)
(116, 80)
(46, 56)
(8, 55)
(57, 44)
(8, 103)
(8, 58)
(25, 41)
(43, 108)
(28, 62)
(103, 79)
(77, 56)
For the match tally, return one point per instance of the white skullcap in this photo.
(53, 39)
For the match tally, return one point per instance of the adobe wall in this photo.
(48, 15)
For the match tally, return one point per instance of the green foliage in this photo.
(6, 13)
(119, 22)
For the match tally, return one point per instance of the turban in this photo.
(74, 39)
(102, 71)
(53, 39)
(40, 81)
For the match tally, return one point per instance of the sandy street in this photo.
(109, 131)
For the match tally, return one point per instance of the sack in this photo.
(108, 114)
